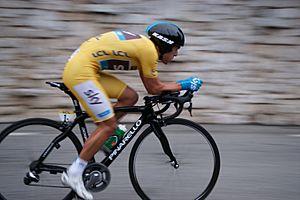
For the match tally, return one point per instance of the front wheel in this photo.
(23, 142)
(154, 177)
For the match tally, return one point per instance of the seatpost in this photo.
(79, 112)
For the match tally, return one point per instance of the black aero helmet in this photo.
(165, 35)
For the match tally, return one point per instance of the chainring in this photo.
(96, 177)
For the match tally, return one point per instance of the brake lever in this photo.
(176, 105)
(190, 108)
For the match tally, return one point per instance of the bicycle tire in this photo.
(17, 138)
(155, 187)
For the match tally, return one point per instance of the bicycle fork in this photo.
(164, 143)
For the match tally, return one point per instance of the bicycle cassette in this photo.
(96, 177)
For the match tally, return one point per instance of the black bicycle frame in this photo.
(148, 116)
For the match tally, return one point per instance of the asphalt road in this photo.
(258, 162)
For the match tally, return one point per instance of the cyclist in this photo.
(86, 76)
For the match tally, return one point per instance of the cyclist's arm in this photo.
(149, 75)
(154, 86)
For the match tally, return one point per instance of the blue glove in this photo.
(191, 83)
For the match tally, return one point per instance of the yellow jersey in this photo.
(118, 50)
(85, 75)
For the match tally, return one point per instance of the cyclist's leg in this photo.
(94, 99)
(90, 93)
(97, 138)
(93, 90)
(113, 88)
(117, 89)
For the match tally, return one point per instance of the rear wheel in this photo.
(24, 142)
(153, 176)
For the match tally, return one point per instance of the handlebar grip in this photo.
(186, 97)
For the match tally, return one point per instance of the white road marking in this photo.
(294, 135)
(24, 133)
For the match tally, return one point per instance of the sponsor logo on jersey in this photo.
(110, 53)
(105, 113)
(100, 53)
(93, 97)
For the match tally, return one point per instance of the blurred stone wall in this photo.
(246, 51)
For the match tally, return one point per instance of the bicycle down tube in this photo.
(147, 112)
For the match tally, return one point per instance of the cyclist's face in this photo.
(168, 57)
